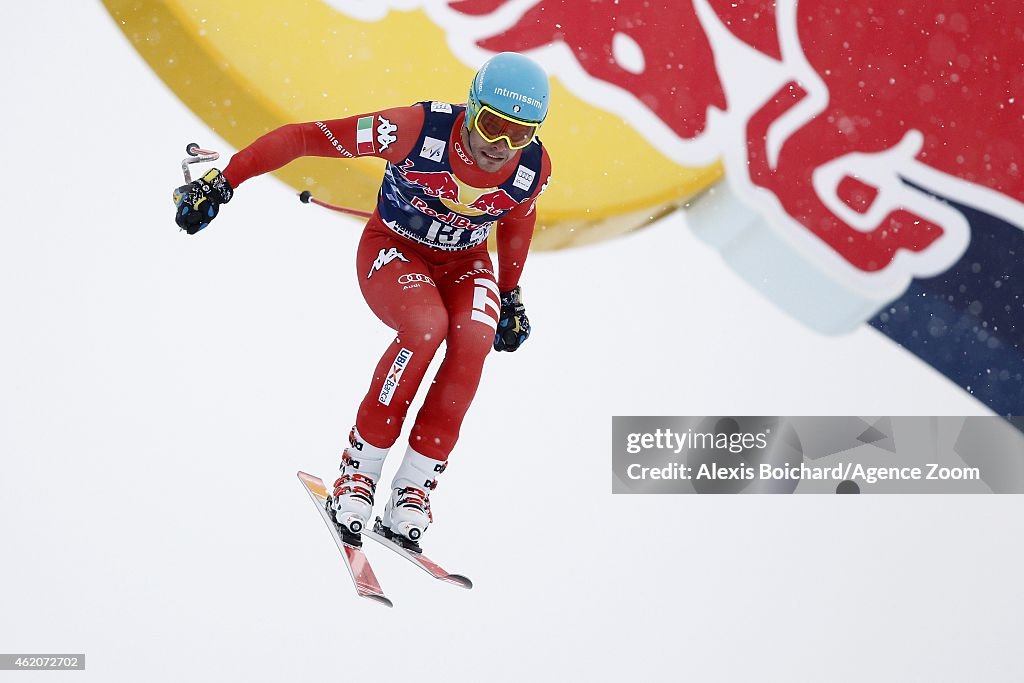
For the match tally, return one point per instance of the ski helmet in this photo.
(510, 84)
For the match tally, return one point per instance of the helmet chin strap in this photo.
(468, 139)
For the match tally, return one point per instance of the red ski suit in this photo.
(423, 291)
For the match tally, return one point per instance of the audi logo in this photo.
(409, 278)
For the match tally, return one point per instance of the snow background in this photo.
(159, 392)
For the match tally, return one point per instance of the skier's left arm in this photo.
(515, 232)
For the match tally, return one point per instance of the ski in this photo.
(359, 568)
(416, 556)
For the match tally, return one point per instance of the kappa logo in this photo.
(415, 278)
(524, 178)
(485, 302)
(394, 376)
(385, 257)
(384, 133)
(433, 149)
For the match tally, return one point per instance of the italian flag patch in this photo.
(364, 135)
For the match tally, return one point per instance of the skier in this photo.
(452, 173)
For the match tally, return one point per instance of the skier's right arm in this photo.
(335, 138)
(391, 135)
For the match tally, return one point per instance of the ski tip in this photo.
(459, 580)
(380, 599)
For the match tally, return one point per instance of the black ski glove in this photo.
(514, 326)
(198, 202)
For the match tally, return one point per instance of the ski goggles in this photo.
(494, 126)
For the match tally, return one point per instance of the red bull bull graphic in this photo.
(440, 184)
(493, 203)
(820, 122)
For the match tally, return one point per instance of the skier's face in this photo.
(489, 156)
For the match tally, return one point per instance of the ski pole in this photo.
(196, 154)
(306, 197)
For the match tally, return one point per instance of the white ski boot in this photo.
(352, 500)
(407, 514)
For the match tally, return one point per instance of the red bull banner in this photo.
(871, 151)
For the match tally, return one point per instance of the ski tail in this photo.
(383, 536)
(359, 569)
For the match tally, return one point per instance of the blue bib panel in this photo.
(422, 199)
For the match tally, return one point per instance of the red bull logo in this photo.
(493, 203)
(439, 184)
(460, 198)
(837, 122)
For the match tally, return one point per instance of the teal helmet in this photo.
(510, 84)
